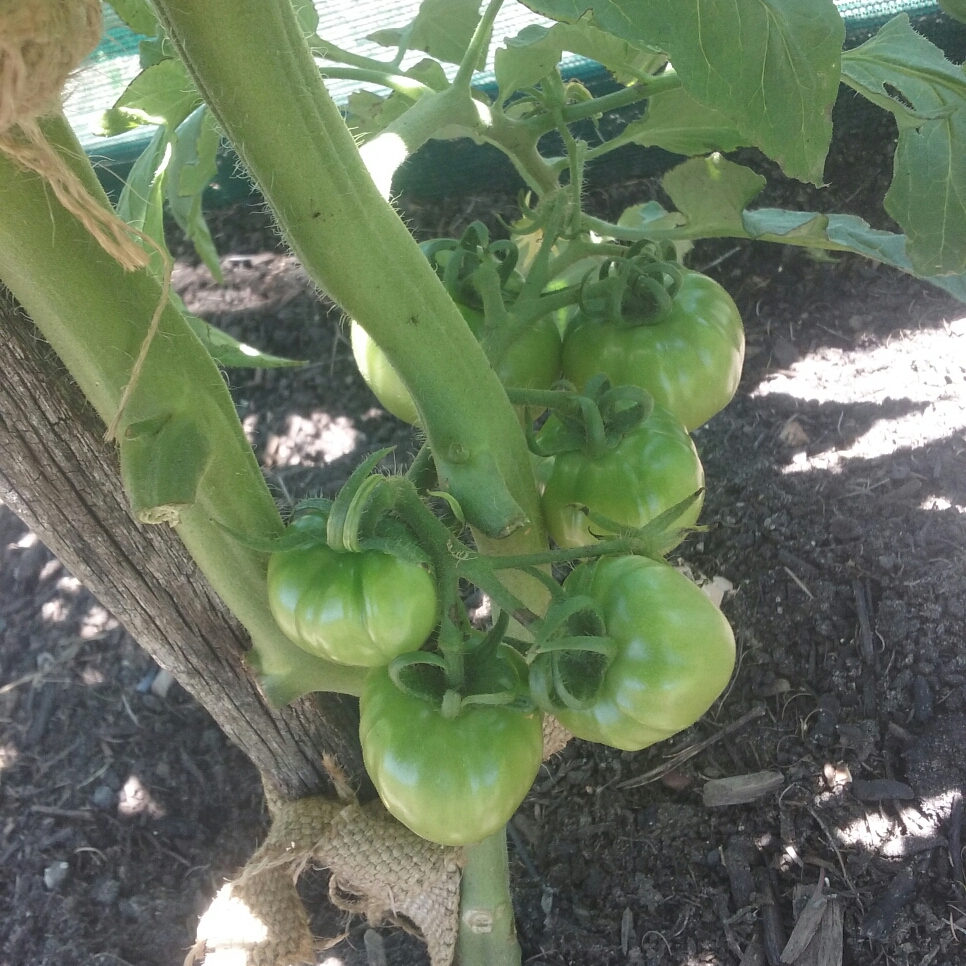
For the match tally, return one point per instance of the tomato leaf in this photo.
(770, 66)
(842, 233)
(928, 192)
(161, 94)
(307, 16)
(227, 351)
(711, 193)
(677, 122)
(137, 14)
(193, 165)
(534, 52)
(715, 207)
(442, 28)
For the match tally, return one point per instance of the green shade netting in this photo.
(346, 23)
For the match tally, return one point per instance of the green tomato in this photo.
(675, 653)
(361, 608)
(649, 471)
(532, 361)
(689, 361)
(450, 781)
(380, 376)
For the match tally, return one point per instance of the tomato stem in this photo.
(619, 546)
(95, 315)
(249, 56)
(479, 44)
(487, 936)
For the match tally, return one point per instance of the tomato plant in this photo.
(689, 359)
(254, 72)
(675, 653)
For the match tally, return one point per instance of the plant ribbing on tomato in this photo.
(359, 608)
(674, 332)
(675, 652)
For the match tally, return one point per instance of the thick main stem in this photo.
(96, 316)
(252, 65)
(487, 935)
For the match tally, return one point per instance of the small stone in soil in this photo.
(56, 874)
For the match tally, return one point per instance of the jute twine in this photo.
(378, 868)
(41, 42)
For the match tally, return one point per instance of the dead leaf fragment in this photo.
(739, 789)
(792, 434)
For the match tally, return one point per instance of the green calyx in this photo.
(635, 290)
(593, 421)
(571, 654)
(490, 672)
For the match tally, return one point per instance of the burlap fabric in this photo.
(378, 869)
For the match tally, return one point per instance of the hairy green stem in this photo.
(518, 142)
(407, 86)
(326, 50)
(439, 543)
(619, 546)
(250, 62)
(96, 317)
(477, 49)
(666, 81)
(576, 251)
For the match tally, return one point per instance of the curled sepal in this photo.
(638, 289)
(452, 516)
(344, 516)
(571, 673)
(571, 654)
(593, 421)
(657, 537)
(623, 409)
(310, 530)
(501, 680)
(420, 674)
(162, 462)
(474, 479)
(390, 535)
(313, 504)
(576, 612)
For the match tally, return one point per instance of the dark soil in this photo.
(837, 512)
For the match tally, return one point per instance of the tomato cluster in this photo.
(636, 652)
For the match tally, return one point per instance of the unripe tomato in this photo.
(532, 361)
(689, 361)
(650, 470)
(361, 608)
(452, 781)
(675, 653)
